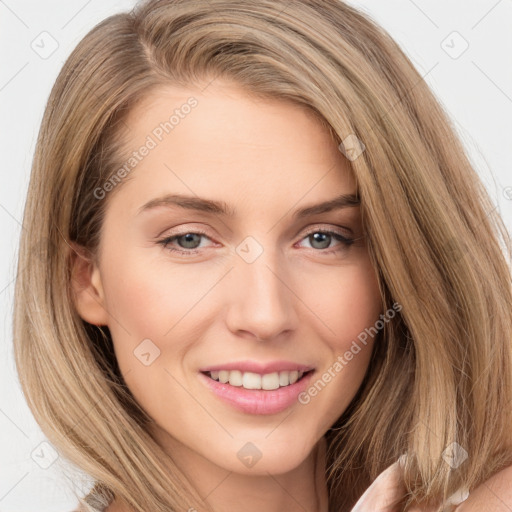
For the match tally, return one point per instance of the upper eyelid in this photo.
(333, 229)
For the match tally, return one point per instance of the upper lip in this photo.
(259, 367)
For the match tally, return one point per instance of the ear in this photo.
(87, 287)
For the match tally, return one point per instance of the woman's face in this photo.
(255, 284)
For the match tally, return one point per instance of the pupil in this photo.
(189, 241)
(323, 238)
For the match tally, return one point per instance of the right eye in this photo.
(188, 242)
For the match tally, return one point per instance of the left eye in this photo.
(189, 242)
(323, 239)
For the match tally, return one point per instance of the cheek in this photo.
(148, 318)
(148, 310)
(349, 308)
(150, 301)
(157, 313)
(348, 303)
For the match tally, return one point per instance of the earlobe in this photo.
(87, 288)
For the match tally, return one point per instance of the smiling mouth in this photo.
(251, 380)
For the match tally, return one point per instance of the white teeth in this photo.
(235, 378)
(270, 381)
(284, 378)
(251, 380)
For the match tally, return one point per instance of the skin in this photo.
(295, 302)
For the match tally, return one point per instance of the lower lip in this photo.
(258, 401)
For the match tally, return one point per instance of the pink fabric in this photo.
(388, 489)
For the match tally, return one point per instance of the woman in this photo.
(270, 278)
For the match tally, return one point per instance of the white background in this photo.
(475, 88)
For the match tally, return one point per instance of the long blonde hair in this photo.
(441, 372)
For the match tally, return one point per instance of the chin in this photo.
(260, 456)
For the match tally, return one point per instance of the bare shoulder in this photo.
(494, 495)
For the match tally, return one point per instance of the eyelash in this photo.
(346, 242)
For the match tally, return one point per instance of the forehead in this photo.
(222, 142)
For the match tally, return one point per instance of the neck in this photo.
(303, 488)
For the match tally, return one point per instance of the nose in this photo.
(262, 304)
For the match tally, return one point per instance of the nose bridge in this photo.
(262, 303)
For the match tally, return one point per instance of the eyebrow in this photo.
(223, 209)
